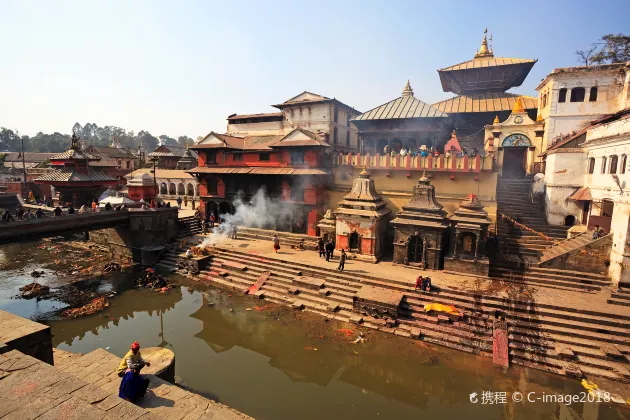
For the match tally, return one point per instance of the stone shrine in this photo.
(361, 220)
(327, 226)
(469, 234)
(421, 229)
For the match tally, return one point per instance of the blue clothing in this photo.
(133, 386)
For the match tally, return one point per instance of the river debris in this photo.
(33, 290)
(94, 306)
(37, 274)
(153, 281)
(111, 266)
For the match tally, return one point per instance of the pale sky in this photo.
(181, 67)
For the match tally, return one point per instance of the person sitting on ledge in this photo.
(57, 211)
(426, 284)
(133, 386)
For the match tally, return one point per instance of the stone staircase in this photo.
(549, 277)
(549, 337)
(189, 226)
(568, 245)
(514, 199)
(620, 296)
(286, 239)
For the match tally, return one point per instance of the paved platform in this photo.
(32, 389)
(580, 301)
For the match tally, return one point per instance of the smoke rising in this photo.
(260, 212)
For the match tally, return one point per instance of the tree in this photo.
(584, 56)
(184, 141)
(612, 48)
(10, 141)
(149, 142)
(167, 141)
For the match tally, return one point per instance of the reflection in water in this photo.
(281, 364)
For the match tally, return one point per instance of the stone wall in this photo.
(26, 336)
(146, 228)
(469, 267)
(586, 262)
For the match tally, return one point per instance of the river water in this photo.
(274, 363)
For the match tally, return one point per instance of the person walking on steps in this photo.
(185, 201)
(179, 203)
(320, 246)
(276, 243)
(342, 260)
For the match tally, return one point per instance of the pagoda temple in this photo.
(469, 234)
(74, 179)
(361, 220)
(421, 229)
(481, 86)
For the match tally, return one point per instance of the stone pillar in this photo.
(620, 251)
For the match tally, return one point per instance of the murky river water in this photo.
(273, 363)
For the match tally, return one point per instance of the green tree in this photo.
(184, 141)
(167, 141)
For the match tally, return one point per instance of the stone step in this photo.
(539, 277)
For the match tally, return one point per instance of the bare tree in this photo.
(584, 56)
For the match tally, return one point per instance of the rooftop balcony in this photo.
(431, 163)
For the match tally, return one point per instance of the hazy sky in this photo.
(181, 67)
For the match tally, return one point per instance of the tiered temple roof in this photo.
(471, 214)
(363, 199)
(422, 210)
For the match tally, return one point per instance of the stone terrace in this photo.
(86, 387)
(561, 329)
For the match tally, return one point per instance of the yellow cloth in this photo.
(135, 358)
(438, 307)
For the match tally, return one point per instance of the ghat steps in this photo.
(537, 332)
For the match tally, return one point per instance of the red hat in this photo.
(135, 345)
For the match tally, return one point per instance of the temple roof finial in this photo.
(484, 51)
(407, 91)
(364, 173)
(518, 106)
(496, 120)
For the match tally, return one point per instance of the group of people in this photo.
(21, 214)
(424, 151)
(185, 201)
(327, 249)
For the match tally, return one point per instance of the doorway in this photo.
(514, 162)
(415, 250)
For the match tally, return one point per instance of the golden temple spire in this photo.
(407, 91)
(518, 106)
(496, 120)
(484, 51)
(539, 118)
(364, 173)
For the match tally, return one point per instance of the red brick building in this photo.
(291, 169)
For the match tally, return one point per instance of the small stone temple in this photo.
(361, 220)
(469, 234)
(421, 229)
(327, 226)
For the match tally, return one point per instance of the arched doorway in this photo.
(171, 189)
(212, 208)
(181, 190)
(191, 190)
(415, 249)
(515, 148)
(163, 188)
(467, 244)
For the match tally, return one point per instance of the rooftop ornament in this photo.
(484, 50)
(407, 91)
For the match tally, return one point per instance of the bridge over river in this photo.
(125, 232)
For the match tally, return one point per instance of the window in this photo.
(607, 208)
(603, 165)
(577, 94)
(128, 164)
(335, 114)
(562, 95)
(237, 157)
(591, 165)
(592, 96)
(297, 158)
(544, 100)
(348, 137)
(622, 168)
(335, 136)
(613, 164)
(264, 156)
(120, 163)
(213, 186)
(211, 157)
